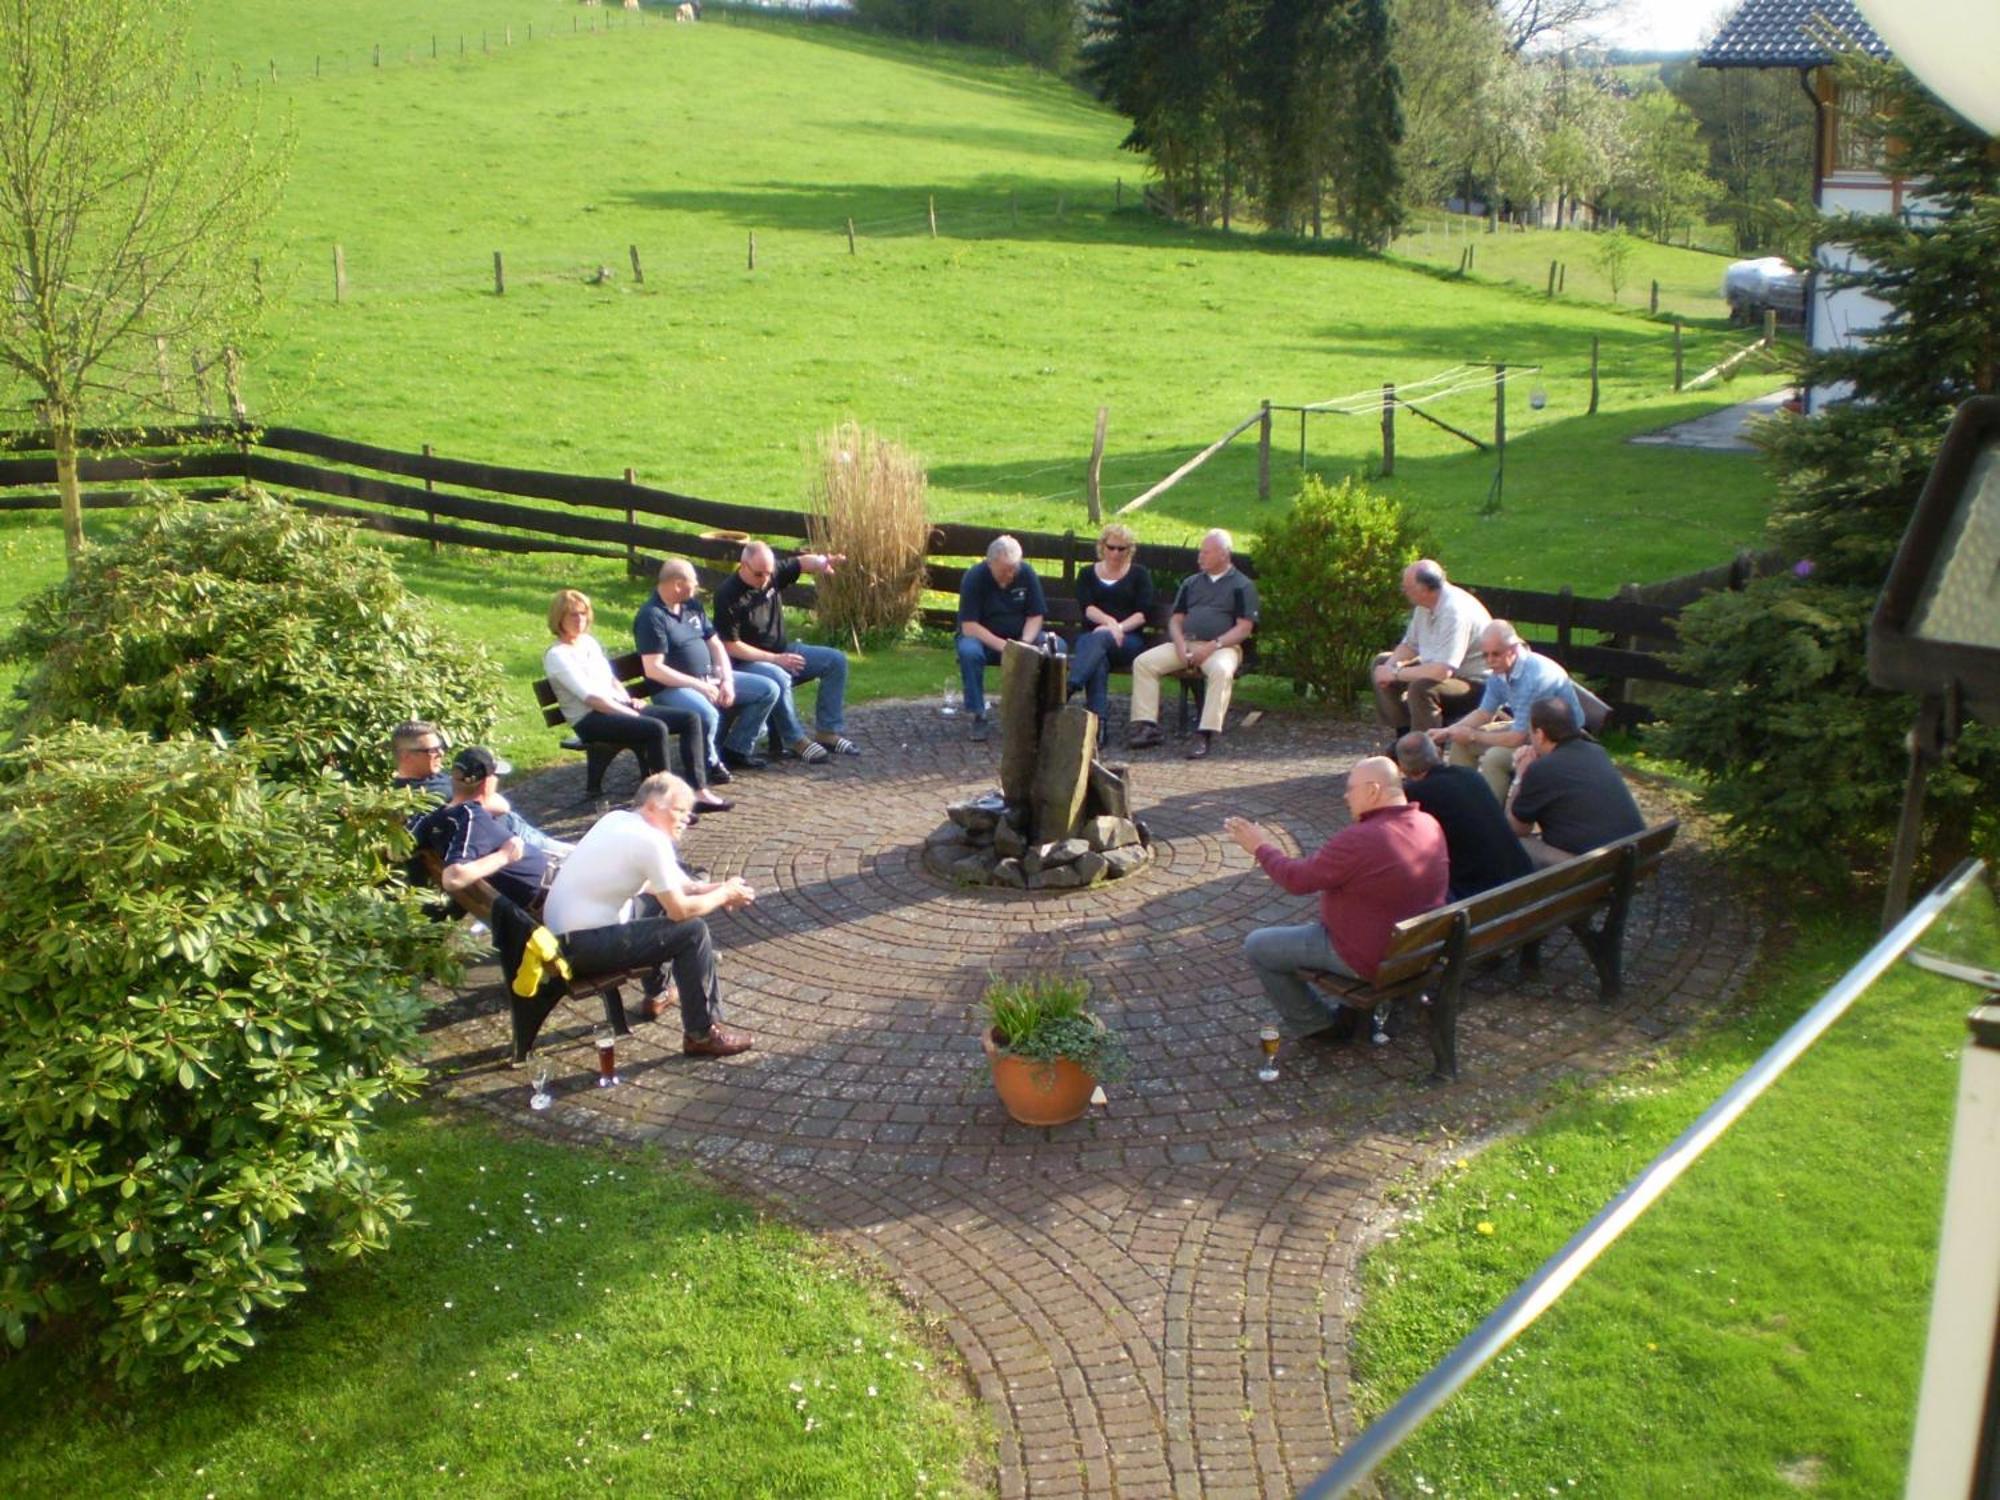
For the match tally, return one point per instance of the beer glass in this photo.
(1268, 1039)
(607, 1057)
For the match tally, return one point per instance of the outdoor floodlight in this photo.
(1936, 631)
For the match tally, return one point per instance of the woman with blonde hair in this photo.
(1114, 593)
(601, 712)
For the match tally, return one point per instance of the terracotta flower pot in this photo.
(1038, 1093)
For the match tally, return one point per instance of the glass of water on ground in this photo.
(1268, 1039)
(607, 1057)
(541, 1098)
(950, 700)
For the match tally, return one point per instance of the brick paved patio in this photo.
(1153, 1300)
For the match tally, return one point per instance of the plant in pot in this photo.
(1048, 1051)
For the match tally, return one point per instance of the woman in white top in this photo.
(599, 709)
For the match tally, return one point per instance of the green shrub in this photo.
(1046, 1016)
(249, 617)
(1329, 575)
(211, 982)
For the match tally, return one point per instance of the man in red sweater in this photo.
(1388, 864)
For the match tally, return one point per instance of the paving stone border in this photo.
(1153, 1300)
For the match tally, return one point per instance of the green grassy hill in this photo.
(988, 348)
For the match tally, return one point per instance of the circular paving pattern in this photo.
(1198, 1204)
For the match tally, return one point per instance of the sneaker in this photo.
(980, 729)
(719, 1042)
(719, 776)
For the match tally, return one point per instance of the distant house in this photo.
(1848, 174)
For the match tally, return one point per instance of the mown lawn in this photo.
(1761, 1331)
(553, 1323)
(988, 349)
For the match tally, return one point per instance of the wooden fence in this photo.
(465, 503)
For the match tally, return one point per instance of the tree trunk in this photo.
(62, 431)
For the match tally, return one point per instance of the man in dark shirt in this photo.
(1566, 782)
(1388, 864)
(1484, 851)
(1214, 614)
(750, 618)
(1000, 600)
(472, 843)
(689, 669)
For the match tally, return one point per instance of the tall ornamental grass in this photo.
(866, 498)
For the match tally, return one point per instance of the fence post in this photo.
(753, 250)
(1770, 328)
(638, 271)
(1093, 479)
(1565, 617)
(378, 54)
(1069, 556)
(1562, 278)
(1679, 359)
(431, 516)
(1593, 377)
(499, 275)
(933, 209)
(1552, 279)
(339, 274)
(1653, 309)
(1388, 429)
(232, 384)
(166, 382)
(631, 547)
(850, 236)
(1264, 453)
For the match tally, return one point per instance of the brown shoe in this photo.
(656, 1005)
(1199, 746)
(1143, 736)
(720, 1042)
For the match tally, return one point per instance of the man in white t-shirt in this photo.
(622, 901)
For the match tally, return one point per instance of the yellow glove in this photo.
(541, 953)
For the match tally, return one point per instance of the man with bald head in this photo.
(1214, 614)
(1388, 864)
(750, 619)
(684, 661)
(1437, 664)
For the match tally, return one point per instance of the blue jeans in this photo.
(974, 657)
(824, 665)
(1091, 662)
(755, 698)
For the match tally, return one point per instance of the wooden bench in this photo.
(598, 755)
(477, 900)
(1429, 955)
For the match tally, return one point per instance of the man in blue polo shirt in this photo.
(472, 843)
(1000, 600)
(1516, 680)
(684, 659)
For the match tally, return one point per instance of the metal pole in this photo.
(1539, 1292)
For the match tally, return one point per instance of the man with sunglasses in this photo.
(420, 751)
(750, 620)
(1516, 680)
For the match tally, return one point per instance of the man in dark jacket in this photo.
(1484, 850)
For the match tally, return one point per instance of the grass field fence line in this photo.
(1620, 642)
(1561, 1271)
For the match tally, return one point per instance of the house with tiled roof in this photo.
(1849, 175)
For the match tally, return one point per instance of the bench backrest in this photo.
(1521, 909)
(625, 668)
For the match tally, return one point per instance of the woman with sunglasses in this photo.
(1115, 593)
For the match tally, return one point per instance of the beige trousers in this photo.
(1495, 763)
(1149, 666)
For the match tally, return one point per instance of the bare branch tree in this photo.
(1529, 21)
(129, 195)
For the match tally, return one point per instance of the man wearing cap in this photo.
(473, 844)
(419, 749)
(750, 619)
(622, 901)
